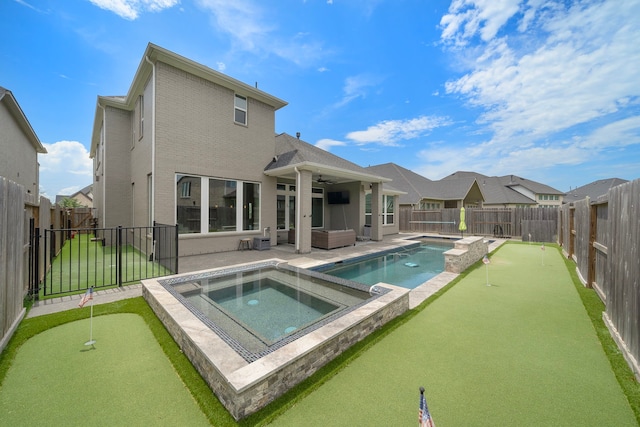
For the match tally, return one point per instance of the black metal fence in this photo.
(102, 257)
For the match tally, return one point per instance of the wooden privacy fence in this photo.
(536, 224)
(12, 248)
(602, 237)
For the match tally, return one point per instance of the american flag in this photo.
(486, 260)
(86, 297)
(424, 417)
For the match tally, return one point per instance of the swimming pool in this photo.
(257, 308)
(250, 357)
(407, 267)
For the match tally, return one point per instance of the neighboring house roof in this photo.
(293, 153)
(593, 190)
(454, 189)
(154, 54)
(514, 181)
(7, 98)
(507, 189)
(87, 192)
(418, 187)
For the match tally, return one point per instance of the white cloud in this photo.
(30, 6)
(131, 9)
(66, 166)
(251, 28)
(468, 18)
(356, 87)
(583, 67)
(441, 160)
(392, 132)
(327, 144)
(242, 20)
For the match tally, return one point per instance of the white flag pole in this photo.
(487, 268)
(486, 261)
(91, 340)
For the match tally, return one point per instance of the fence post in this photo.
(119, 255)
(46, 261)
(34, 259)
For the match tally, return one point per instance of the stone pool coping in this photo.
(245, 387)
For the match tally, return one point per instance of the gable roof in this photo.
(501, 190)
(418, 187)
(293, 153)
(593, 190)
(7, 98)
(86, 191)
(154, 54)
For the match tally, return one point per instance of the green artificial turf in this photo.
(124, 379)
(458, 348)
(13, 359)
(520, 352)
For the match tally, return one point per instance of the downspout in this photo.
(104, 162)
(298, 192)
(153, 142)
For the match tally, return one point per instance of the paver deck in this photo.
(282, 251)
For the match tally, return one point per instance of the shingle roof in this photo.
(500, 189)
(536, 187)
(410, 182)
(593, 190)
(293, 152)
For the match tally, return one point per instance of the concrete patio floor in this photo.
(285, 252)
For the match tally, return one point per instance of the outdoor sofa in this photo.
(330, 239)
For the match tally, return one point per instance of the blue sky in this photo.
(547, 90)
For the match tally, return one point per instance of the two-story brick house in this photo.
(191, 146)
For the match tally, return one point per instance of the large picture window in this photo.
(222, 205)
(188, 203)
(229, 205)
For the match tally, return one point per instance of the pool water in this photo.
(214, 317)
(408, 268)
(260, 309)
(287, 309)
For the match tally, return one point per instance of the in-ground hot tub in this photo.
(256, 330)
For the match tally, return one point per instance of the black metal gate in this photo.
(76, 259)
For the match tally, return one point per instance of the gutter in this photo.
(104, 163)
(153, 142)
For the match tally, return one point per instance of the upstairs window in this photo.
(240, 113)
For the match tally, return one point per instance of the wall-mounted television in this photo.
(338, 197)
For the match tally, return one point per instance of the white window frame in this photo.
(240, 108)
(384, 209)
(204, 204)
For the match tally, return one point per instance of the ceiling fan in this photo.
(322, 180)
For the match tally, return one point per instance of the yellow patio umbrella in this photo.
(463, 226)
